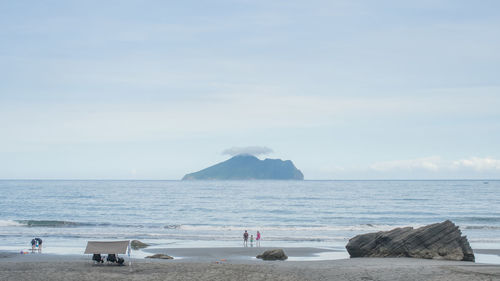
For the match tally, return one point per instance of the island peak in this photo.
(248, 167)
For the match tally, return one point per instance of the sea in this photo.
(166, 214)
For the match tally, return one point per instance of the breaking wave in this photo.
(207, 228)
(9, 223)
(47, 223)
(490, 227)
(360, 227)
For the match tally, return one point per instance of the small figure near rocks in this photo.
(136, 244)
(160, 256)
(272, 255)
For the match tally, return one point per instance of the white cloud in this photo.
(252, 150)
(252, 108)
(433, 163)
(478, 164)
(437, 164)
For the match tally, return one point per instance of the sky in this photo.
(157, 89)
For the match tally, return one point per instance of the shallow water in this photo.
(66, 214)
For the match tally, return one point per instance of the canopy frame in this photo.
(107, 247)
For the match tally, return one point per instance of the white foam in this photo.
(10, 223)
(484, 240)
(361, 227)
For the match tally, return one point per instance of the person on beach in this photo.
(251, 240)
(245, 239)
(39, 244)
(257, 239)
(33, 245)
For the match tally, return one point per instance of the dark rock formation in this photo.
(272, 255)
(435, 241)
(136, 244)
(160, 256)
(248, 167)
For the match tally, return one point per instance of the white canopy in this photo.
(107, 247)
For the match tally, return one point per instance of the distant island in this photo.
(248, 167)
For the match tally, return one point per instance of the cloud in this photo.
(478, 164)
(215, 114)
(252, 150)
(437, 164)
(428, 163)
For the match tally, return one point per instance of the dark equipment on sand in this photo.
(111, 258)
(97, 258)
(112, 248)
(114, 258)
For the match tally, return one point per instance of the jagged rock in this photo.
(435, 241)
(160, 256)
(272, 255)
(136, 244)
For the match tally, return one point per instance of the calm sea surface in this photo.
(66, 214)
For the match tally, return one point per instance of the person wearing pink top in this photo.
(257, 239)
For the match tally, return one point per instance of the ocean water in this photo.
(66, 214)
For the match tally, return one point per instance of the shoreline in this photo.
(80, 267)
(195, 254)
(236, 255)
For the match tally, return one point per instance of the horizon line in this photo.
(401, 179)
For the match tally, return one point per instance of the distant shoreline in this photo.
(310, 180)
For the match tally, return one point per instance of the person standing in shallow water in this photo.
(33, 245)
(39, 243)
(257, 239)
(251, 240)
(245, 239)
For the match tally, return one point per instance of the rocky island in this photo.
(248, 167)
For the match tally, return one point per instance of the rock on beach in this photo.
(435, 241)
(136, 244)
(271, 255)
(160, 256)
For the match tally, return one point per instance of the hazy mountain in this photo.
(248, 167)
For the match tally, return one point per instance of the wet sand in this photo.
(79, 267)
(241, 254)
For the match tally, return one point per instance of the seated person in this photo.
(97, 258)
(111, 258)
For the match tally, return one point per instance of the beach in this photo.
(80, 267)
(196, 224)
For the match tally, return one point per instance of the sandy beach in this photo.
(79, 267)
